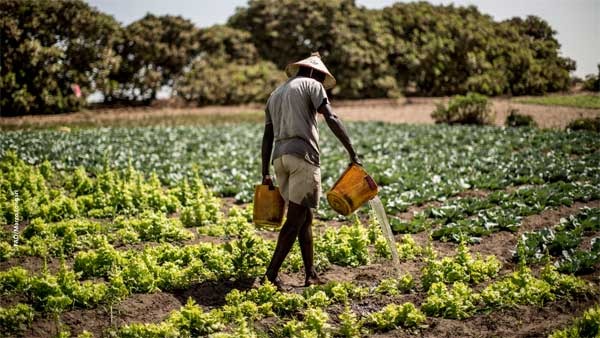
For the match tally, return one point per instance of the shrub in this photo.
(470, 109)
(514, 119)
(589, 124)
(592, 82)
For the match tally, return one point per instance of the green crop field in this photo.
(578, 101)
(147, 232)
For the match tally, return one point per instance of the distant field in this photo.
(578, 101)
(414, 110)
(135, 117)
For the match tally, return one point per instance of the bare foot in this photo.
(277, 282)
(313, 279)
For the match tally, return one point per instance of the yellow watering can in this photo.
(352, 189)
(268, 206)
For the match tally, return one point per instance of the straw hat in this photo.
(314, 62)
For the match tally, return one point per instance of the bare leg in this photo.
(296, 218)
(306, 247)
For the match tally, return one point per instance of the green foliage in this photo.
(458, 303)
(228, 71)
(424, 48)
(15, 319)
(6, 251)
(407, 248)
(346, 246)
(337, 291)
(224, 154)
(592, 82)
(146, 330)
(48, 46)
(395, 315)
(217, 81)
(437, 50)
(315, 324)
(202, 210)
(85, 334)
(249, 255)
(192, 320)
(514, 119)
(151, 226)
(562, 241)
(585, 326)
(470, 109)
(349, 324)
(13, 280)
(503, 211)
(395, 286)
(587, 124)
(522, 288)
(99, 261)
(154, 50)
(460, 268)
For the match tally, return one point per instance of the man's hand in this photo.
(267, 180)
(354, 159)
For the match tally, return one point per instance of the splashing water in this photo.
(377, 206)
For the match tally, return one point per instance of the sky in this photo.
(577, 22)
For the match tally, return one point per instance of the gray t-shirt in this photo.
(292, 108)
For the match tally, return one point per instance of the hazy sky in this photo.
(576, 21)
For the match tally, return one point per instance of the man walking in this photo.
(291, 123)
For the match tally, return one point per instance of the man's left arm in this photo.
(336, 126)
(267, 149)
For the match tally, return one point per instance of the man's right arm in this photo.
(267, 149)
(336, 126)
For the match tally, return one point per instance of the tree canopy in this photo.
(51, 48)
(51, 51)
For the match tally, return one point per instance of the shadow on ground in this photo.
(212, 293)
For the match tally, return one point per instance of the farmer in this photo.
(291, 121)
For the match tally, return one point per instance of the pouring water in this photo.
(377, 207)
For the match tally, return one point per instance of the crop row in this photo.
(473, 217)
(243, 308)
(562, 241)
(52, 195)
(413, 164)
(586, 326)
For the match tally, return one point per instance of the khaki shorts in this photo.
(298, 180)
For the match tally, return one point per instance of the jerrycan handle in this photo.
(271, 187)
(371, 182)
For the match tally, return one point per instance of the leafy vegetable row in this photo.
(499, 211)
(413, 164)
(563, 241)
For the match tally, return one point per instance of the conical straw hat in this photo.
(314, 62)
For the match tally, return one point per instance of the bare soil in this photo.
(522, 321)
(412, 110)
(418, 111)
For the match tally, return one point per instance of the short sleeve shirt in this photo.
(292, 109)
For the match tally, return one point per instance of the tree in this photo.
(155, 49)
(228, 70)
(540, 68)
(350, 40)
(54, 53)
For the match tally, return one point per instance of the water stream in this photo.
(377, 206)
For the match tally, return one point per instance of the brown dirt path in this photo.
(413, 110)
(418, 111)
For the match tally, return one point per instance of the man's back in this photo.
(292, 108)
